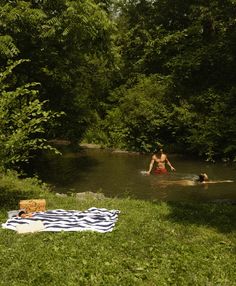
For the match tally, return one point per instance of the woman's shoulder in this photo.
(163, 156)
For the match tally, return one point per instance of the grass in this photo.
(153, 243)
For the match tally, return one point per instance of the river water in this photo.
(120, 175)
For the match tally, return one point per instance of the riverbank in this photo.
(153, 243)
(62, 143)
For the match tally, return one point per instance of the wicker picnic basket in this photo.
(34, 205)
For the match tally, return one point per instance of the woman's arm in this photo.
(169, 164)
(151, 165)
(216, 182)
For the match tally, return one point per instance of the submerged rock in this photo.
(61, 195)
(89, 195)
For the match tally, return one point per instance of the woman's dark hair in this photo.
(21, 213)
(201, 178)
(159, 152)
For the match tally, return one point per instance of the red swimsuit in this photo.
(160, 171)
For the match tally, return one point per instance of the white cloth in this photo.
(32, 226)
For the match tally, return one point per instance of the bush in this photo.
(23, 120)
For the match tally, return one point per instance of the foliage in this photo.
(194, 45)
(140, 120)
(209, 134)
(72, 55)
(23, 119)
(7, 47)
(105, 63)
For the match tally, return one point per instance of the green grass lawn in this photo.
(153, 243)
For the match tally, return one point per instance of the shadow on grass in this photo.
(220, 216)
(9, 200)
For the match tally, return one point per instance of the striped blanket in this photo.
(94, 219)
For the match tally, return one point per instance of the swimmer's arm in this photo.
(215, 182)
(169, 164)
(151, 166)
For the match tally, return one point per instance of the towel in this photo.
(94, 219)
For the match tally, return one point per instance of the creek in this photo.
(119, 174)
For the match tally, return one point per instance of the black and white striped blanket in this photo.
(94, 219)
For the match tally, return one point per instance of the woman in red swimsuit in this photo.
(161, 159)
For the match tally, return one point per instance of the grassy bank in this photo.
(152, 244)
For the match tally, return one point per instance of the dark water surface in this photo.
(119, 175)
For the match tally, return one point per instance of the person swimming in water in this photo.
(201, 179)
(161, 159)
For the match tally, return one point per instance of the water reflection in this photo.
(119, 174)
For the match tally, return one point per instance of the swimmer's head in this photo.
(159, 146)
(159, 152)
(202, 177)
